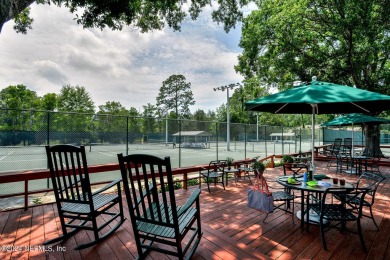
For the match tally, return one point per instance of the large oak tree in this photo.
(340, 41)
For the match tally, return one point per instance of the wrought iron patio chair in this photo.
(334, 211)
(295, 169)
(370, 181)
(334, 148)
(347, 146)
(214, 173)
(374, 164)
(159, 224)
(338, 161)
(78, 207)
(283, 199)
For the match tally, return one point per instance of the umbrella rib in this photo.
(277, 111)
(360, 107)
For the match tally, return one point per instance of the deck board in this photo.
(231, 230)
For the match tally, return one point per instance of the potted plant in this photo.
(287, 159)
(258, 167)
(229, 162)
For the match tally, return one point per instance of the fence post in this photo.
(282, 141)
(127, 135)
(48, 143)
(216, 140)
(180, 142)
(48, 128)
(245, 140)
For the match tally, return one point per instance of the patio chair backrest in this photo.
(217, 166)
(337, 144)
(149, 185)
(348, 142)
(370, 181)
(295, 168)
(69, 173)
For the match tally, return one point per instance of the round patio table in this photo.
(246, 170)
(320, 188)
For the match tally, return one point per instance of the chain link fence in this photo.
(24, 133)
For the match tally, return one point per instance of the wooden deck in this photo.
(231, 231)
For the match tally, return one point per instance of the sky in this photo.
(123, 66)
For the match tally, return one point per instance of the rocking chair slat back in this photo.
(151, 189)
(71, 174)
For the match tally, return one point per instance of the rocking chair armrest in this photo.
(194, 196)
(108, 186)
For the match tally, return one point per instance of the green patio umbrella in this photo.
(319, 97)
(355, 119)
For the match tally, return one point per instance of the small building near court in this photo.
(192, 139)
(285, 137)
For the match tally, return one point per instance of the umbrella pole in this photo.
(312, 136)
(352, 148)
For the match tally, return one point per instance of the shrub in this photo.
(287, 159)
(193, 182)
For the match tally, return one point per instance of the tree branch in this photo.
(9, 9)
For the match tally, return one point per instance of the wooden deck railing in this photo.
(27, 176)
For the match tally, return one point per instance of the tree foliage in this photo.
(18, 97)
(48, 102)
(108, 120)
(149, 122)
(113, 108)
(175, 93)
(145, 15)
(75, 99)
(344, 42)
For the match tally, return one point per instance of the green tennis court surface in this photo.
(22, 158)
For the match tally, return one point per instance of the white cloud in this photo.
(124, 66)
(50, 71)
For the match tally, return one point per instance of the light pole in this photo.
(223, 88)
(166, 110)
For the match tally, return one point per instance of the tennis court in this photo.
(23, 158)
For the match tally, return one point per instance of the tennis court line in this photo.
(6, 155)
(107, 154)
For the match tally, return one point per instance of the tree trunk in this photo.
(372, 138)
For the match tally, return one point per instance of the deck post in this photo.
(25, 195)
